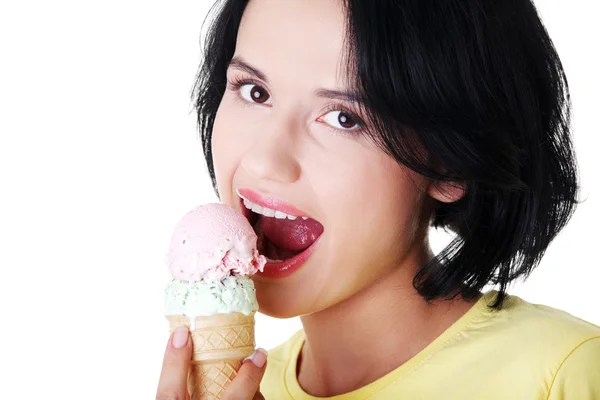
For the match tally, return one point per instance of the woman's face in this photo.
(285, 133)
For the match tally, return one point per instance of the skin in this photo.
(284, 150)
(176, 363)
(375, 212)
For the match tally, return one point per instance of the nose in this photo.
(272, 157)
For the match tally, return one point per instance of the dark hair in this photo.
(470, 92)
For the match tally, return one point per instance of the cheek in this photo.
(396, 200)
(377, 206)
(227, 148)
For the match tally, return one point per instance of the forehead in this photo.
(298, 37)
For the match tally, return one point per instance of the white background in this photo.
(99, 158)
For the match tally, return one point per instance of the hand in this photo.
(173, 377)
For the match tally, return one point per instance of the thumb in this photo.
(173, 377)
(247, 381)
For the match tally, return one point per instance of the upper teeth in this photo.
(268, 212)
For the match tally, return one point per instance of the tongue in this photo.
(296, 235)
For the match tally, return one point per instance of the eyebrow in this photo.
(338, 95)
(239, 63)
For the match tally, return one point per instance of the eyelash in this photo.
(236, 84)
(338, 107)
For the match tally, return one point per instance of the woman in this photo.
(367, 122)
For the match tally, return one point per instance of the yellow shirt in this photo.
(523, 352)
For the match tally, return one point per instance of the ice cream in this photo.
(211, 242)
(212, 253)
(211, 256)
(203, 298)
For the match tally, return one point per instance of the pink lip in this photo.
(270, 202)
(278, 270)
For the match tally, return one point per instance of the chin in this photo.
(278, 300)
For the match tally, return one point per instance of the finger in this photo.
(173, 377)
(247, 382)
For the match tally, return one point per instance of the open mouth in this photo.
(282, 237)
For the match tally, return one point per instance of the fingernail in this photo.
(258, 358)
(180, 337)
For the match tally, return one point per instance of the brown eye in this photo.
(254, 93)
(346, 121)
(341, 120)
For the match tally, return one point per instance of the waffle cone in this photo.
(220, 344)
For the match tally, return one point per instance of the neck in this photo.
(359, 340)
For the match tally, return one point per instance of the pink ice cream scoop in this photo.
(211, 242)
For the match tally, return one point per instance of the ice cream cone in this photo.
(220, 343)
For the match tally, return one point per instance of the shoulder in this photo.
(578, 376)
(553, 323)
(536, 323)
(526, 333)
(560, 349)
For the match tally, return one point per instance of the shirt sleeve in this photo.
(578, 378)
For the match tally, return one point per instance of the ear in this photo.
(446, 192)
